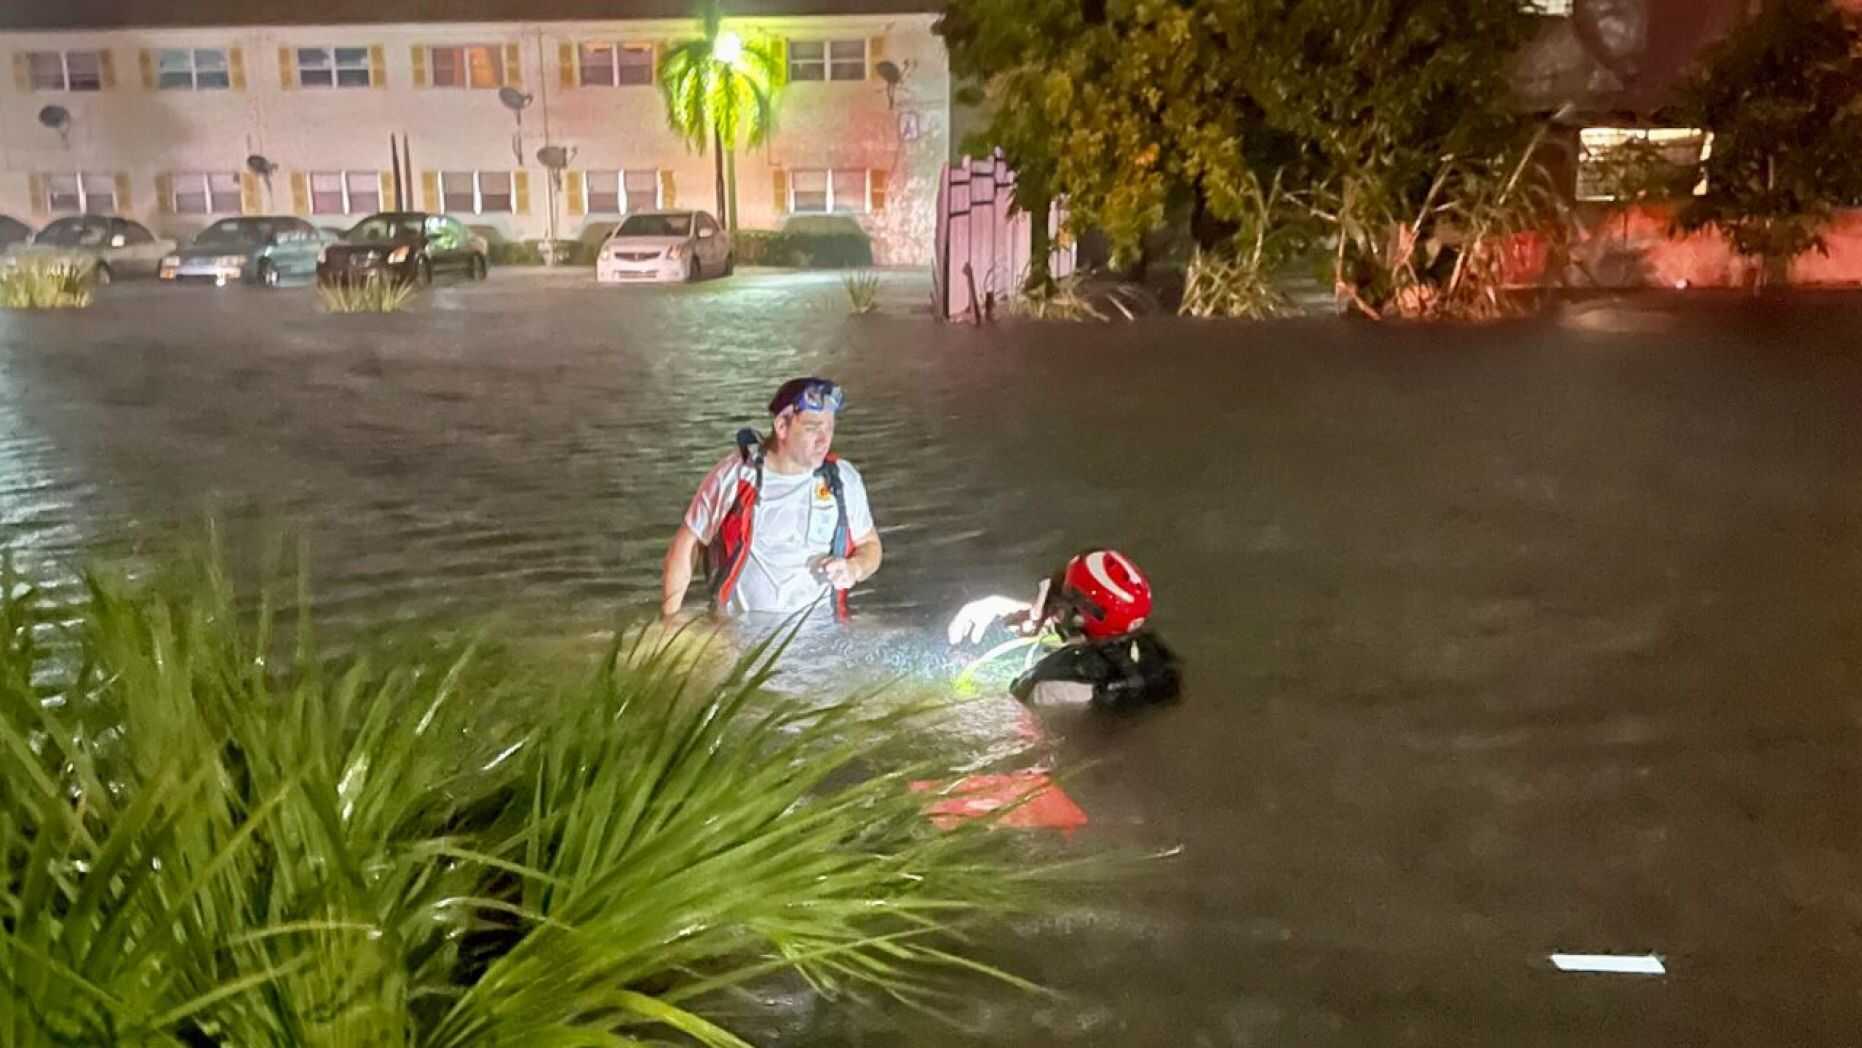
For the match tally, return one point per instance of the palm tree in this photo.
(720, 92)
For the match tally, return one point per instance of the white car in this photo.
(665, 245)
(118, 246)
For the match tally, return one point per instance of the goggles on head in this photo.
(815, 394)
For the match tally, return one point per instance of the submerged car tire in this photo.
(730, 264)
(102, 276)
(692, 271)
(268, 273)
(423, 273)
(480, 268)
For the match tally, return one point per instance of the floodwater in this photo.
(1541, 637)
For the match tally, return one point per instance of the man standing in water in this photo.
(782, 521)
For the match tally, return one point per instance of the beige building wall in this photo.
(147, 138)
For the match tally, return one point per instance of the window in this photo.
(827, 60)
(1606, 155)
(472, 65)
(1550, 8)
(847, 60)
(197, 69)
(333, 67)
(614, 192)
(611, 65)
(477, 192)
(65, 70)
(80, 193)
(206, 194)
(345, 192)
(818, 192)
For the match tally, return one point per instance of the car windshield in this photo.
(382, 228)
(234, 232)
(656, 226)
(74, 232)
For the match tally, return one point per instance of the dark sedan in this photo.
(404, 246)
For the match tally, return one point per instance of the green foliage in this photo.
(38, 283)
(214, 831)
(862, 291)
(718, 101)
(1783, 98)
(829, 244)
(374, 294)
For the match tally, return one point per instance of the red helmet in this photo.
(1103, 594)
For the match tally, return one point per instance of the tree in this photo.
(1782, 97)
(721, 92)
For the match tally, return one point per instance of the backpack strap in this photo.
(841, 545)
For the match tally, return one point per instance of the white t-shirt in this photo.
(793, 529)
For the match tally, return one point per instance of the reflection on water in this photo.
(1500, 642)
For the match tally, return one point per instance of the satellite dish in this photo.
(260, 165)
(514, 100)
(889, 72)
(55, 117)
(554, 157)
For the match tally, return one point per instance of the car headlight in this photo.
(171, 261)
(323, 255)
(398, 256)
(676, 252)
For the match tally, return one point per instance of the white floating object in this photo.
(1614, 963)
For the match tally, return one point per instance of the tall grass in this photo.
(862, 291)
(375, 294)
(39, 283)
(212, 832)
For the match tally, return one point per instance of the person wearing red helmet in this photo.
(1097, 604)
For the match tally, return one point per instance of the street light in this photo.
(729, 48)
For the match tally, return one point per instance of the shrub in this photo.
(37, 283)
(377, 294)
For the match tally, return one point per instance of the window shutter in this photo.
(668, 191)
(513, 67)
(146, 58)
(520, 191)
(875, 53)
(164, 194)
(123, 205)
(572, 189)
(106, 68)
(430, 190)
(378, 66)
(287, 68)
(782, 59)
(419, 56)
(250, 202)
(567, 57)
(300, 193)
(236, 62)
(389, 202)
(22, 73)
(876, 188)
(781, 180)
(36, 186)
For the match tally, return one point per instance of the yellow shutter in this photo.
(513, 67)
(875, 53)
(164, 194)
(236, 62)
(520, 189)
(567, 56)
(782, 59)
(106, 68)
(250, 202)
(40, 202)
(146, 59)
(780, 178)
(389, 202)
(668, 192)
(419, 55)
(287, 68)
(22, 72)
(378, 66)
(430, 190)
(572, 189)
(300, 193)
(876, 183)
(123, 205)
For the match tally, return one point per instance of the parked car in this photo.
(404, 246)
(665, 245)
(119, 247)
(13, 231)
(263, 249)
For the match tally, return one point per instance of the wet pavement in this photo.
(1501, 642)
